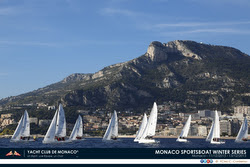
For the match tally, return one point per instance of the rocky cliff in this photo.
(197, 76)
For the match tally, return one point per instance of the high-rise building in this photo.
(193, 130)
(208, 113)
(241, 111)
(235, 126)
(225, 128)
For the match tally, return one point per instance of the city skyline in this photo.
(43, 42)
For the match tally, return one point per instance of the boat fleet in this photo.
(56, 132)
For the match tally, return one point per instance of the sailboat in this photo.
(243, 132)
(209, 137)
(184, 132)
(57, 129)
(77, 131)
(141, 128)
(149, 131)
(112, 130)
(214, 134)
(22, 132)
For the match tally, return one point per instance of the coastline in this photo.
(129, 136)
(171, 137)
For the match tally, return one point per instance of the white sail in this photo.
(77, 130)
(112, 130)
(23, 127)
(26, 125)
(149, 130)
(216, 130)
(80, 130)
(50, 135)
(185, 129)
(243, 132)
(210, 134)
(215, 139)
(18, 130)
(115, 126)
(141, 128)
(60, 123)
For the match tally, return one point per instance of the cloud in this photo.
(124, 12)
(185, 28)
(113, 11)
(211, 30)
(245, 3)
(199, 24)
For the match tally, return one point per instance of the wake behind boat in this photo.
(149, 131)
(243, 132)
(184, 132)
(57, 129)
(77, 132)
(112, 130)
(22, 132)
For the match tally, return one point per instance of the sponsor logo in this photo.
(11, 153)
(206, 161)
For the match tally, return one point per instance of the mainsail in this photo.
(243, 132)
(57, 128)
(23, 127)
(149, 130)
(141, 128)
(210, 134)
(60, 123)
(216, 131)
(77, 130)
(112, 130)
(185, 129)
(50, 135)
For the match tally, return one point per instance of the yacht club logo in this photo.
(11, 153)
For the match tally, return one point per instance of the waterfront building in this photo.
(225, 128)
(34, 120)
(241, 111)
(193, 130)
(235, 126)
(44, 122)
(202, 130)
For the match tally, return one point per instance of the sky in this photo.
(44, 41)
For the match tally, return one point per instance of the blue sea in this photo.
(123, 143)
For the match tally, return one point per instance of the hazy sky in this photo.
(43, 41)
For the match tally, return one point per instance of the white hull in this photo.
(147, 141)
(217, 142)
(181, 140)
(136, 140)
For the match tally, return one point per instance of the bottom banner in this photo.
(127, 161)
(124, 153)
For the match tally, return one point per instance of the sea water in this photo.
(123, 143)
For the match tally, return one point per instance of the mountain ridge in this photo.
(180, 68)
